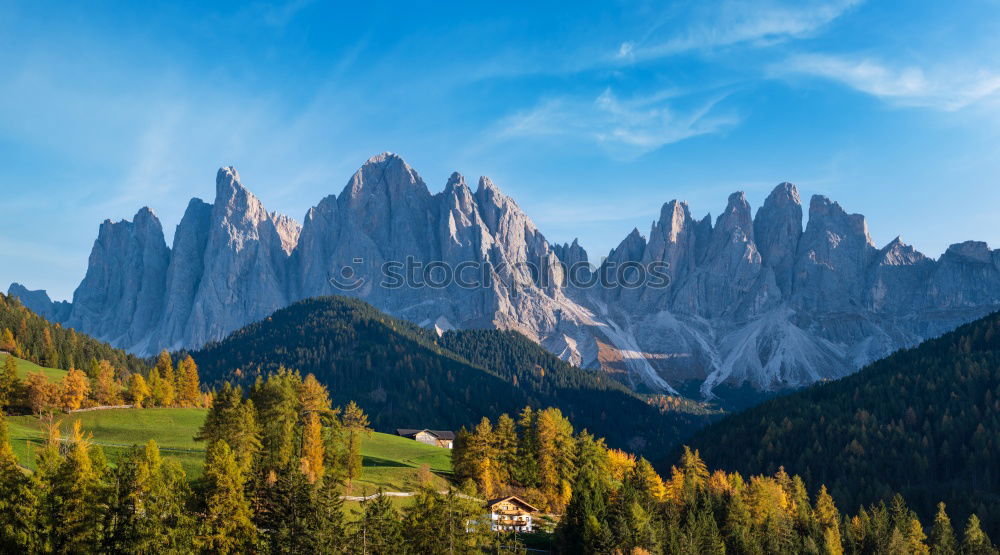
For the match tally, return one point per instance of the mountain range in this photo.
(406, 376)
(753, 299)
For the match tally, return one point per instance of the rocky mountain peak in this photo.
(736, 217)
(777, 230)
(975, 251)
(829, 215)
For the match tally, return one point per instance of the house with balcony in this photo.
(510, 514)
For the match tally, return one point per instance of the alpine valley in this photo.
(754, 299)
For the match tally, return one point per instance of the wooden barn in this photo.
(438, 438)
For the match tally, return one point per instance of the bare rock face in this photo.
(40, 303)
(751, 298)
(245, 263)
(777, 229)
(121, 297)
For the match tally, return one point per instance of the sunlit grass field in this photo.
(390, 462)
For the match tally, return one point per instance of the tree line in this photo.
(278, 459)
(27, 335)
(614, 502)
(924, 422)
(102, 384)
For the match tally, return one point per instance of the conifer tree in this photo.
(284, 512)
(827, 518)
(378, 531)
(188, 384)
(915, 537)
(233, 420)
(227, 524)
(149, 513)
(355, 423)
(328, 526)
(138, 390)
(505, 447)
(10, 384)
(74, 390)
(7, 342)
(165, 368)
(942, 537)
(18, 501)
(276, 400)
(312, 448)
(974, 540)
(106, 389)
(584, 527)
(74, 495)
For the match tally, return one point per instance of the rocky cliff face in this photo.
(752, 298)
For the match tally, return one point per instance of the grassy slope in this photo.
(24, 368)
(390, 462)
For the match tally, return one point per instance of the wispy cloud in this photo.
(626, 127)
(943, 88)
(731, 22)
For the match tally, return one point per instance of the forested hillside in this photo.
(28, 336)
(407, 377)
(924, 422)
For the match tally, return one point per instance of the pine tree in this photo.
(276, 400)
(10, 384)
(379, 530)
(233, 420)
(74, 494)
(975, 541)
(18, 501)
(505, 446)
(942, 538)
(285, 511)
(149, 513)
(584, 527)
(329, 531)
(227, 524)
(355, 423)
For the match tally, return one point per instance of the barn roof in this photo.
(440, 434)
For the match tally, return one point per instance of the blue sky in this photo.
(590, 117)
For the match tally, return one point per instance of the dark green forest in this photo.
(407, 377)
(924, 422)
(29, 336)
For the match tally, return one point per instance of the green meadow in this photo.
(390, 462)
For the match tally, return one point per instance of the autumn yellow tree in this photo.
(312, 448)
(42, 394)
(106, 389)
(138, 390)
(74, 390)
(188, 386)
(7, 342)
(313, 395)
